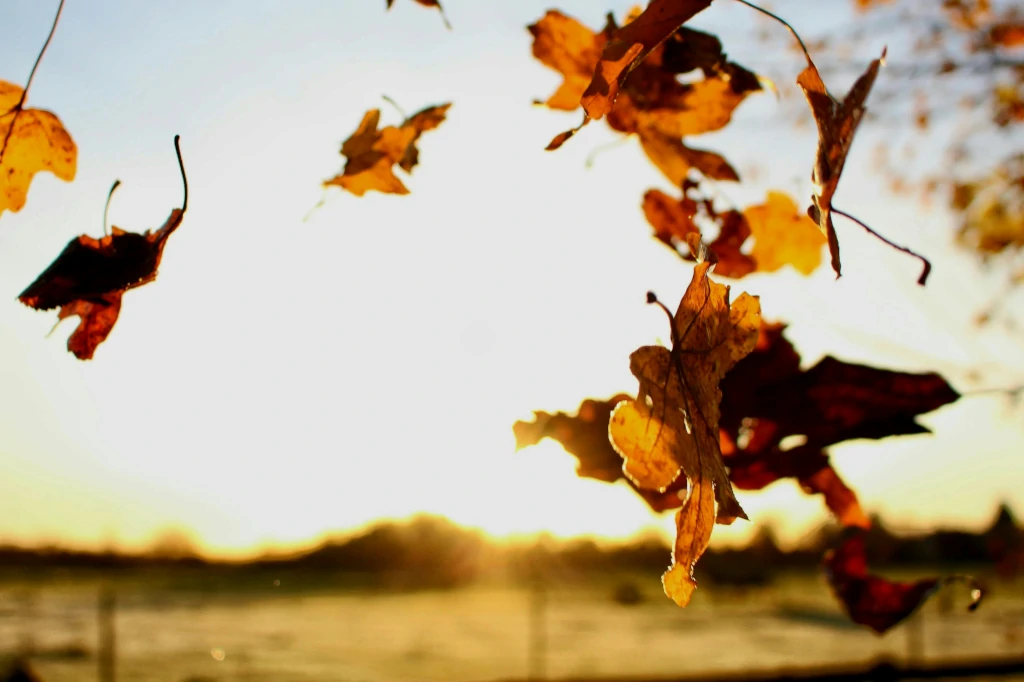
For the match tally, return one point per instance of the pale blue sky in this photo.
(284, 378)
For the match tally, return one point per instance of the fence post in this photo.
(106, 652)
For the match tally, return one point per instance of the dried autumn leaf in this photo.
(584, 435)
(371, 153)
(90, 276)
(33, 140)
(671, 429)
(567, 46)
(652, 102)
(630, 44)
(783, 235)
(780, 234)
(429, 3)
(837, 122)
(875, 601)
(674, 159)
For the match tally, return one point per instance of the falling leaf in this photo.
(674, 159)
(671, 429)
(837, 122)
(872, 600)
(90, 276)
(429, 3)
(783, 235)
(652, 102)
(32, 140)
(371, 153)
(779, 233)
(567, 46)
(630, 44)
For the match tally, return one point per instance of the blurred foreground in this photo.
(429, 601)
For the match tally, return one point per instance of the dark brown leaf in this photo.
(837, 122)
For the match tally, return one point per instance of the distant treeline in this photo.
(429, 551)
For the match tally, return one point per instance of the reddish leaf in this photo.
(869, 599)
(90, 276)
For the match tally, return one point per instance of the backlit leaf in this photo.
(32, 140)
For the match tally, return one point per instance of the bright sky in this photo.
(283, 379)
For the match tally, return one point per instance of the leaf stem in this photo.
(400, 110)
(106, 209)
(784, 23)
(32, 74)
(181, 166)
(927, 266)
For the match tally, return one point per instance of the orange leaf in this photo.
(572, 49)
(33, 140)
(671, 429)
(783, 235)
(371, 153)
(837, 122)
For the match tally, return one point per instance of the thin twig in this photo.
(784, 23)
(106, 209)
(181, 166)
(32, 74)
(926, 270)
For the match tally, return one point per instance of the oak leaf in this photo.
(31, 140)
(429, 3)
(371, 153)
(671, 429)
(837, 123)
(90, 276)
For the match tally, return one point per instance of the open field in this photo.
(182, 629)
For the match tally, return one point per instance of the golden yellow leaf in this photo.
(35, 141)
(783, 234)
(672, 426)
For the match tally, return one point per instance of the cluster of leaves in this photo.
(685, 441)
(718, 410)
(765, 420)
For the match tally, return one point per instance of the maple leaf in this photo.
(652, 103)
(33, 140)
(90, 276)
(371, 153)
(837, 122)
(429, 3)
(567, 46)
(875, 601)
(671, 429)
(780, 234)
(783, 235)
